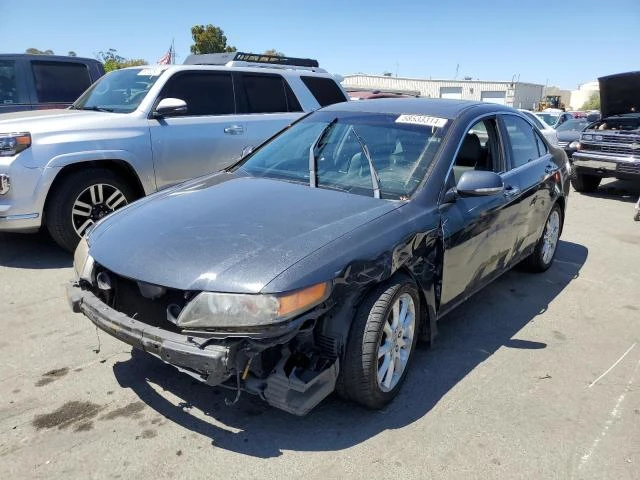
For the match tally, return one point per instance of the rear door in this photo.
(479, 233)
(530, 161)
(208, 137)
(267, 103)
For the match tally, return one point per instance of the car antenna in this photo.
(375, 180)
(313, 161)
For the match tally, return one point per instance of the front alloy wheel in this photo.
(93, 203)
(396, 342)
(80, 199)
(381, 342)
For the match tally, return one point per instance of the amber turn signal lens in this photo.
(301, 300)
(24, 139)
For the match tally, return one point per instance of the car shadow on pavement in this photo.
(467, 337)
(39, 251)
(623, 190)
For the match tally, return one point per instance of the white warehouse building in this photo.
(513, 94)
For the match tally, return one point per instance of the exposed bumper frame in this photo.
(214, 362)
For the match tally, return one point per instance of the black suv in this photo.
(32, 82)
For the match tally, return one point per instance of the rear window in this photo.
(60, 81)
(8, 87)
(325, 90)
(268, 94)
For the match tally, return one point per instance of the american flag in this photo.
(166, 58)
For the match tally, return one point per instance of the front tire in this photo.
(542, 257)
(381, 344)
(81, 199)
(584, 183)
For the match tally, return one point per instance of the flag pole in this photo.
(173, 52)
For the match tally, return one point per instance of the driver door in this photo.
(210, 136)
(478, 232)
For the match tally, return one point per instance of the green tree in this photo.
(35, 51)
(593, 103)
(273, 51)
(71, 53)
(113, 61)
(209, 39)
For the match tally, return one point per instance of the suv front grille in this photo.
(615, 149)
(630, 168)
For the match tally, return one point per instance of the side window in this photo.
(479, 149)
(325, 90)
(265, 93)
(60, 81)
(8, 85)
(524, 146)
(542, 147)
(206, 93)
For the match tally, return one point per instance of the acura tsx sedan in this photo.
(317, 261)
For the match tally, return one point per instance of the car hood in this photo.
(42, 121)
(569, 135)
(225, 232)
(619, 94)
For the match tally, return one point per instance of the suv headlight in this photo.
(230, 310)
(13, 143)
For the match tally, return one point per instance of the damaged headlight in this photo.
(230, 310)
(575, 145)
(82, 261)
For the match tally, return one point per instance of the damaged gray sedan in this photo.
(319, 260)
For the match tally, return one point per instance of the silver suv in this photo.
(141, 129)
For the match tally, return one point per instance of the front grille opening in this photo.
(125, 297)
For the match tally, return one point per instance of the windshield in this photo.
(578, 124)
(400, 152)
(548, 118)
(120, 91)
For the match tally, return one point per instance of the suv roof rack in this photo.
(242, 59)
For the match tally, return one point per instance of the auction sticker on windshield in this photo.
(422, 120)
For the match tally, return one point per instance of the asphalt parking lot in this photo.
(538, 376)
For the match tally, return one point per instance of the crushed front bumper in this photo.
(212, 362)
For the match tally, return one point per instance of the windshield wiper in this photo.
(313, 161)
(375, 180)
(96, 109)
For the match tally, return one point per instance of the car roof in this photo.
(439, 107)
(224, 68)
(46, 58)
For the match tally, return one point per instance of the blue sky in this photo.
(561, 43)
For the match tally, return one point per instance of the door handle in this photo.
(511, 191)
(234, 130)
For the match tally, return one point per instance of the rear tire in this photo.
(81, 199)
(584, 183)
(375, 344)
(542, 257)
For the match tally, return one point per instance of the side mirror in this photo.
(170, 106)
(477, 183)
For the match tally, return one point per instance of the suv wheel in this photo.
(381, 344)
(80, 200)
(584, 183)
(545, 251)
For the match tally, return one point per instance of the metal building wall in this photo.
(519, 95)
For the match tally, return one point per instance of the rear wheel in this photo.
(584, 183)
(80, 200)
(545, 251)
(381, 344)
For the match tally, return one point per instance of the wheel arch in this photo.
(121, 167)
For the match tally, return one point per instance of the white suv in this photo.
(141, 129)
